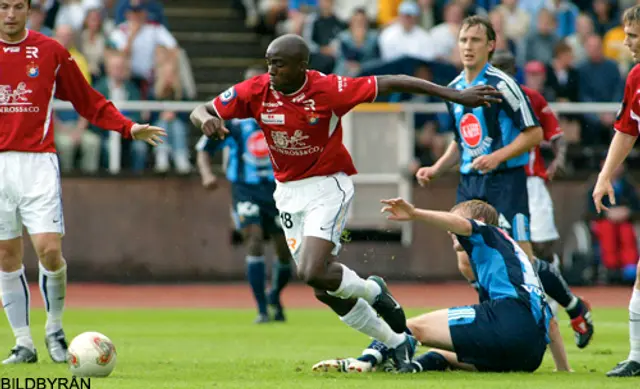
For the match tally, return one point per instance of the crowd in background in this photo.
(126, 52)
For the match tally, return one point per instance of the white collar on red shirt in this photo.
(16, 43)
(306, 78)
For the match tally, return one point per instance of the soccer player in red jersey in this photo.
(627, 126)
(35, 70)
(543, 228)
(300, 111)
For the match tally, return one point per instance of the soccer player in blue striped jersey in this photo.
(254, 210)
(508, 331)
(491, 147)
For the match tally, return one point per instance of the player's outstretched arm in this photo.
(621, 146)
(400, 210)
(470, 97)
(206, 119)
(556, 346)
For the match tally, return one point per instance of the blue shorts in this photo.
(254, 205)
(506, 190)
(497, 336)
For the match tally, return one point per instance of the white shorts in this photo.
(543, 225)
(30, 194)
(315, 206)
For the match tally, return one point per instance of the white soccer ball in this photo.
(91, 354)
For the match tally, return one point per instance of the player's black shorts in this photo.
(506, 190)
(254, 205)
(497, 336)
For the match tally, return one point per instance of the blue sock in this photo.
(256, 275)
(281, 274)
(431, 361)
(375, 353)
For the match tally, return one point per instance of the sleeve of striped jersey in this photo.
(235, 102)
(627, 119)
(516, 105)
(346, 92)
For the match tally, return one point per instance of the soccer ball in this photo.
(91, 354)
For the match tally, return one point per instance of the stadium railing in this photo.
(380, 137)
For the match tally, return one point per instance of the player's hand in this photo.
(603, 187)
(556, 166)
(399, 209)
(210, 182)
(147, 133)
(478, 96)
(486, 163)
(424, 175)
(214, 128)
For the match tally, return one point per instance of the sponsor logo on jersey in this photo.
(272, 118)
(12, 49)
(293, 145)
(16, 100)
(470, 130)
(33, 70)
(257, 145)
(227, 96)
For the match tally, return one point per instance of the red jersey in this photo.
(34, 72)
(627, 119)
(303, 129)
(550, 128)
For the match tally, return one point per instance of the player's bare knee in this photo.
(11, 255)
(413, 325)
(49, 251)
(311, 275)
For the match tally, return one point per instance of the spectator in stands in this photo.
(405, 37)
(444, 36)
(320, 30)
(139, 39)
(270, 15)
(36, 20)
(388, 12)
(117, 86)
(168, 88)
(70, 128)
(72, 13)
(344, 9)
(614, 230)
(93, 43)
(604, 16)
(600, 81)
(539, 45)
(517, 21)
(502, 41)
(562, 85)
(428, 16)
(614, 49)
(565, 14)
(154, 9)
(356, 45)
(577, 41)
(471, 8)
(535, 76)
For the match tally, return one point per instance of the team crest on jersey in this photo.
(313, 118)
(228, 95)
(470, 130)
(32, 70)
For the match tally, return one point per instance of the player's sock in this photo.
(256, 275)
(431, 361)
(281, 274)
(634, 326)
(375, 353)
(554, 285)
(53, 287)
(16, 301)
(353, 286)
(364, 319)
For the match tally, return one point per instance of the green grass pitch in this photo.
(223, 349)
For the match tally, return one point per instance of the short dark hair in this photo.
(480, 21)
(560, 48)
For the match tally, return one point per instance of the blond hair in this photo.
(631, 15)
(477, 209)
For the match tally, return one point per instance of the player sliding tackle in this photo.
(507, 331)
(300, 112)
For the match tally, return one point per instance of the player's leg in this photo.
(313, 217)
(252, 235)
(280, 274)
(41, 212)
(631, 366)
